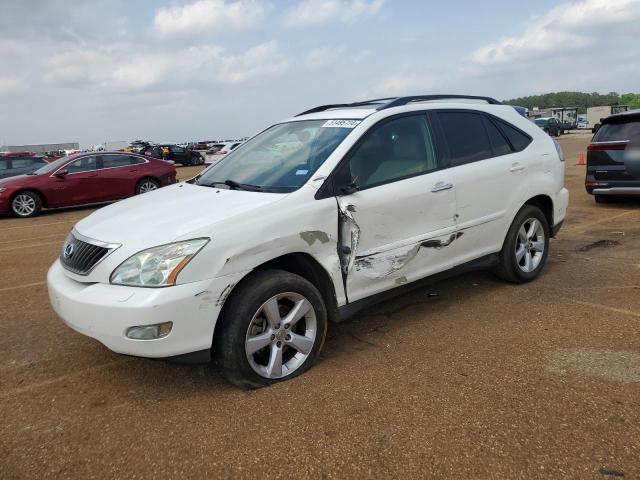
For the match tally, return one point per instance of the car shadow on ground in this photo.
(365, 330)
(615, 202)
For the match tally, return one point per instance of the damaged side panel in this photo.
(368, 272)
(349, 236)
(268, 234)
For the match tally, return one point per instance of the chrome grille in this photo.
(80, 255)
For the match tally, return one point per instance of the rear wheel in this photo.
(146, 185)
(526, 247)
(26, 204)
(272, 329)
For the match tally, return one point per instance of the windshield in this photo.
(541, 121)
(280, 159)
(618, 131)
(50, 167)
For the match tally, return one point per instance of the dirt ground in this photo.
(469, 378)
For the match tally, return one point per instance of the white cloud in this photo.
(261, 60)
(213, 16)
(399, 85)
(130, 67)
(11, 85)
(567, 27)
(316, 12)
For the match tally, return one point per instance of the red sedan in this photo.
(83, 179)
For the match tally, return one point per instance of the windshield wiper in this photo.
(232, 184)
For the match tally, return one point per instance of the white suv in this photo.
(309, 221)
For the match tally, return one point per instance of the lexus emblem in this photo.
(68, 250)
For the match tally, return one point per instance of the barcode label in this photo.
(341, 124)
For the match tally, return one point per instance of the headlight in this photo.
(157, 266)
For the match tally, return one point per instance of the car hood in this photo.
(169, 214)
(16, 180)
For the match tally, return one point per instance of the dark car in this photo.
(12, 164)
(613, 157)
(83, 179)
(551, 125)
(174, 153)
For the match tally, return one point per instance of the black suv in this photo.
(613, 157)
(175, 153)
(12, 164)
(551, 125)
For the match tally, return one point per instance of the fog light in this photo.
(150, 332)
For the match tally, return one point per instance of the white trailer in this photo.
(595, 114)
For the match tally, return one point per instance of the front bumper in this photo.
(105, 312)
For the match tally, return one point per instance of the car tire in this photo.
(146, 185)
(526, 246)
(601, 198)
(254, 344)
(26, 204)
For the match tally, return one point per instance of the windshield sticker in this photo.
(341, 124)
(302, 172)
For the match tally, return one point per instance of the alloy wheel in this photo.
(281, 335)
(23, 205)
(148, 187)
(530, 245)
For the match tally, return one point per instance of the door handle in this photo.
(516, 167)
(441, 186)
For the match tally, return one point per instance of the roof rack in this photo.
(322, 108)
(384, 103)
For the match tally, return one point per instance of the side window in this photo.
(111, 161)
(23, 162)
(397, 149)
(135, 160)
(176, 149)
(499, 143)
(518, 139)
(466, 137)
(3, 164)
(84, 164)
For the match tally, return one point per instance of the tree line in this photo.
(577, 99)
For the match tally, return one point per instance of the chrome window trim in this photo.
(144, 162)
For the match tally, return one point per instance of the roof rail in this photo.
(426, 98)
(322, 108)
(384, 103)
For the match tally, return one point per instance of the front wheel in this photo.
(273, 328)
(526, 246)
(26, 204)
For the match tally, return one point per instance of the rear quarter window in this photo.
(518, 139)
(613, 132)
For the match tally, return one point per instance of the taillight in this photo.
(559, 150)
(602, 146)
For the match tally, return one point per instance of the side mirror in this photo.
(348, 189)
(61, 173)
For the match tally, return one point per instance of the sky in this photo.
(182, 70)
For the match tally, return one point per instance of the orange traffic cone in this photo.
(581, 158)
